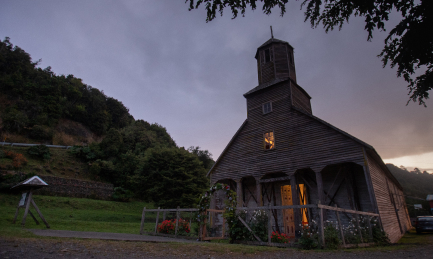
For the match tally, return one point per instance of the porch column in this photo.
(259, 192)
(295, 199)
(239, 194)
(320, 187)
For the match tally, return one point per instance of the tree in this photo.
(170, 177)
(409, 45)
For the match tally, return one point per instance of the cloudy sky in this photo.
(167, 65)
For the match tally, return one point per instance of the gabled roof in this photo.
(274, 82)
(271, 40)
(266, 85)
(33, 182)
(225, 149)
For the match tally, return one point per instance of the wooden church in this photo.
(283, 155)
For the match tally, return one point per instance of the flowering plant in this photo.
(168, 227)
(279, 238)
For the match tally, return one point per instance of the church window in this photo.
(268, 55)
(267, 107)
(269, 141)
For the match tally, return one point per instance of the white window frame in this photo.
(265, 111)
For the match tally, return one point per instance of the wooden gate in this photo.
(204, 230)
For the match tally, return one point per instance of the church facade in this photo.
(283, 155)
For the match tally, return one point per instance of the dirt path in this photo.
(90, 248)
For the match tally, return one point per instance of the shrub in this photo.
(332, 240)
(18, 159)
(279, 237)
(169, 226)
(121, 194)
(41, 133)
(309, 239)
(39, 151)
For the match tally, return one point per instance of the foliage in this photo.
(308, 239)
(415, 184)
(169, 227)
(332, 239)
(18, 160)
(204, 156)
(121, 194)
(409, 45)
(41, 133)
(279, 237)
(237, 230)
(39, 151)
(170, 177)
(39, 98)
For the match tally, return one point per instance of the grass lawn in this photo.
(77, 214)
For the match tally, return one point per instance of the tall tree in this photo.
(409, 45)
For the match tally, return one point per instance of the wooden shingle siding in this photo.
(281, 62)
(300, 99)
(383, 189)
(300, 141)
(268, 72)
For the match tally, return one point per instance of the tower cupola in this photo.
(275, 61)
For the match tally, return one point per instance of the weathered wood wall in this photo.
(300, 141)
(300, 99)
(387, 194)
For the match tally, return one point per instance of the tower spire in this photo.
(272, 34)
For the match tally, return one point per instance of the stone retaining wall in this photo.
(76, 188)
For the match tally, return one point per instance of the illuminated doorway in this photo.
(288, 214)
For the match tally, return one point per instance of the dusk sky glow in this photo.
(167, 65)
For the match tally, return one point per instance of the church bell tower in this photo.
(275, 61)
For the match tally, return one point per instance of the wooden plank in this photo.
(214, 210)
(249, 229)
(171, 210)
(279, 207)
(33, 216)
(156, 223)
(269, 226)
(285, 178)
(40, 213)
(321, 227)
(26, 211)
(142, 220)
(177, 221)
(16, 214)
(340, 226)
(347, 211)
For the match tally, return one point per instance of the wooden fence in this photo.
(164, 211)
(321, 225)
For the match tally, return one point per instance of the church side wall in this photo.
(384, 190)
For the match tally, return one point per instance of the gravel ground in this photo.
(91, 248)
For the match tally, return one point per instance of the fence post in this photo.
(177, 220)
(269, 224)
(370, 231)
(157, 218)
(321, 228)
(164, 215)
(340, 226)
(142, 220)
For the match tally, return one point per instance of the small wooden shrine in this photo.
(27, 187)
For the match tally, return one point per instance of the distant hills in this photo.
(142, 159)
(415, 184)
